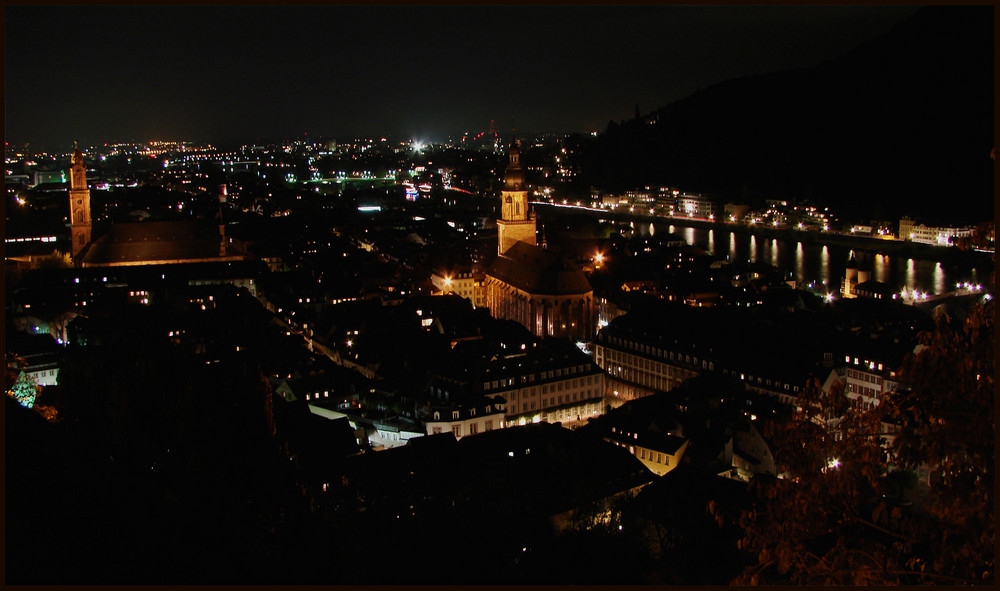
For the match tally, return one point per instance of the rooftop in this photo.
(141, 242)
(539, 271)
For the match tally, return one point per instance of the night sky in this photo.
(221, 74)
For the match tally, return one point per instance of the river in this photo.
(814, 264)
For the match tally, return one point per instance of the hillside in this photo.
(902, 124)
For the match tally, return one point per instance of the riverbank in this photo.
(862, 244)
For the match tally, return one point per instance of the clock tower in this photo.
(79, 203)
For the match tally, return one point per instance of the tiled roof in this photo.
(539, 271)
(155, 241)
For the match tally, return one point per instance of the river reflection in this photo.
(819, 263)
(799, 260)
(824, 266)
(882, 268)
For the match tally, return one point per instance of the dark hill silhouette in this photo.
(902, 124)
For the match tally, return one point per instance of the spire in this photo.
(514, 178)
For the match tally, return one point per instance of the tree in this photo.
(808, 524)
(946, 424)
(824, 522)
(24, 390)
(56, 260)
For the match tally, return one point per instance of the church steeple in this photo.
(514, 178)
(79, 204)
(516, 222)
(221, 221)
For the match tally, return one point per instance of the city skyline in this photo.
(238, 73)
(719, 309)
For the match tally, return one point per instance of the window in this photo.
(642, 454)
(436, 430)
(456, 430)
(473, 429)
(488, 425)
(659, 458)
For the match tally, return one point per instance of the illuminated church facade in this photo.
(142, 243)
(535, 286)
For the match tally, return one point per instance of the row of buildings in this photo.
(477, 383)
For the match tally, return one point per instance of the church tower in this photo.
(516, 223)
(79, 204)
(221, 221)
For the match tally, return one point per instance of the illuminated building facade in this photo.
(696, 206)
(659, 452)
(645, 353)
(537, 287)
(463, 282)
(467, 420)
(543, 291)
(866, 378)
(549, 382)
(940, 236)
(853, 276)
